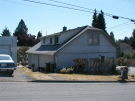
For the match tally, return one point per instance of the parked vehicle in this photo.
(7, 64)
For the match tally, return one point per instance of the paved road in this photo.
(28, 91)
(18, 76)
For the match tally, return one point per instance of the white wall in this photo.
(43, 59)
(8, 45)
(79, 48)
(39, 60)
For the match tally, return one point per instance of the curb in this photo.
(71, 81)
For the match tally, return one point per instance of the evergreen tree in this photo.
(6, 32)
(21, 34)
(133, 33)
(101, 21)
(112, 36)
(39, 35)
(126, 40)
(94, 21)
(133, 39)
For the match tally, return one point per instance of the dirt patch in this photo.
(87, 77)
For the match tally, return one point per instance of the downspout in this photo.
(38, 60)
(54, 60)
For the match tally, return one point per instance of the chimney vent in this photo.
(64, 28)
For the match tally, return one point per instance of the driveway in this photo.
(18, 76)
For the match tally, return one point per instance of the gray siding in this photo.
(8, 45)
(79, 48)
(39, 60)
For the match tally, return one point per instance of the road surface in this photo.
(28, 91)
(18, 76)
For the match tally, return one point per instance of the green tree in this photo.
(94, 21)
(21, 34)
(39, 35)
(6, 32)
(101, 21)
(133, 39)
(112, 36)
(22, 57)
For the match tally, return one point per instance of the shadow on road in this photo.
(3, 74)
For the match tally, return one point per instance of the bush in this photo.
(22, 57)
(67, 70)
(79, 69)
(63, 70)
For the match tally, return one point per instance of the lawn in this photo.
(79, 77)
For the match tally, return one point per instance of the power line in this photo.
(107, 14)
(49, 4)
(71, 5)
(83, 9)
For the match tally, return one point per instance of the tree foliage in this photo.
(6, 32)
(130, 40)
(39, 35)
(112, 36)
(24, 39)
(99, 20)
(133, 39)
(94, 21)
(21, 55)
(21, 33)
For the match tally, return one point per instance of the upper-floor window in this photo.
(93, 39)
(56, 39)
(50, 40)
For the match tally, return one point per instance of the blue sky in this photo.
(48, 19)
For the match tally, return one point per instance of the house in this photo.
(63, 47)
(125, 48)
(8, 45)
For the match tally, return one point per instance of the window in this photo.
(50, 40)
(93, 39)
(5, 58)
(56, 39)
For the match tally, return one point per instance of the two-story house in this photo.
(63, 47)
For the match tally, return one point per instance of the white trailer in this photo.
(8, 45)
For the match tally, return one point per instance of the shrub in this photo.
(67, 70)
(63, 70)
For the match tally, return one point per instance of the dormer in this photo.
(61, 37)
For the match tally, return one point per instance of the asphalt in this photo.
(27, 91)
(17, 76)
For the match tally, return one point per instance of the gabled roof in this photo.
(52, 49)
(77, 30)
(124, 45)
